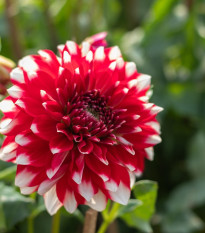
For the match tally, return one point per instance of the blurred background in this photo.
(166, 39)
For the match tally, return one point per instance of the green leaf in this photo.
(145, 192)
(15, 206)
(2, 219)
(159, 11)
(8, 174)
(132, 205)
(132, 220)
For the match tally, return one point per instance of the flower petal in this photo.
(98, 201)
(52, 202)
(60, 143)
(44, 127)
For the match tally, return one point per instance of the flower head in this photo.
(78, 126)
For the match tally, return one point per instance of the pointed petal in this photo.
(98, 201)
(98, 168)
(56, 163)
(44, 127)
(70, 202)
(51, 201)
(24, 177)
(86, 189)
(122, 194)
(8, 149)
(60, 143)
(15, 92)
(28, 190)
(49, 182)
(78, 168)
(7, 106)
(17, 76)
(85, 147)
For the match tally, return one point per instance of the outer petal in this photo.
(122, 194)
(32, 155)
(8, 149)
(56, 163)
(16, 125)
(52, 202)
(28, 176)
(8, 107)
(98, 202)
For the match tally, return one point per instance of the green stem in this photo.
(109, 218)
(56, 223)
(31, 218)
(103, 227)
(30, 225)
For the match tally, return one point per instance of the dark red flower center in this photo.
(90, 115)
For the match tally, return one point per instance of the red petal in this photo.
(66, 195)
(85, 147)
(49, 57)
(8, 107)
(28, 176)
(56, 163)
(31, 106)
(44, 127)
(78, 168)
(48, 183)
(8, 149)
(16, 125)
(53, 109)
(87, 188)
(99, 169)
(60, 143)
(36, 156)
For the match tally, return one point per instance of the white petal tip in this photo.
(51, 201)
(99, 53)
(130, 69)
(153, 139)
(114, 53)
(98, 202)
(156, 109)
(122, 194)
(150, 153)
(72, 47)
(17, 75)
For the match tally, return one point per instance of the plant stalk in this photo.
(109, 218)
(56, 223)
(30, 225)
(90, 221)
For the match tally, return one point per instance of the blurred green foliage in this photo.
(166, 39)
(145, 192)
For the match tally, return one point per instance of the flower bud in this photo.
(6, 65)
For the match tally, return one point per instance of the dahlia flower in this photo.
(78, 126)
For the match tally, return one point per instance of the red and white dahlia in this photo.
(78, 126)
